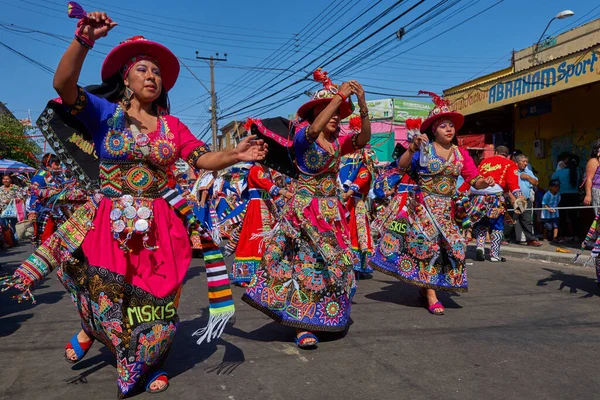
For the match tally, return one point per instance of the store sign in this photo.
(378, 109)
(405, 109)
(549, 78)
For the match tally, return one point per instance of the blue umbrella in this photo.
(14, 166)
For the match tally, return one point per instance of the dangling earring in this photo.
(127, 96)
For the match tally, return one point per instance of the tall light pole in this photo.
(561, 15)
(213, 96)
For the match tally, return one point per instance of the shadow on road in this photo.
(92, 364)
(575, 283)
(186, 353)
(408, 295)
(194, 272)
(10, 324)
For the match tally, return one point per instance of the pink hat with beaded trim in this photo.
(441, 111)
(324, 96)
(136, 47)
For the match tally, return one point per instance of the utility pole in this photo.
(213, 95)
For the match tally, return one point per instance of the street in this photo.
(525, 330)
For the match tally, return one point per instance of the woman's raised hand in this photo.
(97, 25)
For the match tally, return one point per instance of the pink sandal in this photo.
(436, 306)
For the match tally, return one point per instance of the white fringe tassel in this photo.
(214, 329)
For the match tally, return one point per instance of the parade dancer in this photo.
(135, 246)
(486, 207)
(592, 241)
(201, 200)
(305, 279)
(422, 245)
(259, 218)
(356, 176)
(45, 183)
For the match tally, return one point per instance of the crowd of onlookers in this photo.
(557, 212)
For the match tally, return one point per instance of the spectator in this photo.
(550, 215)
(524, 221)
(10, 194)
(592, 178)
(569, 179)
(563, 160)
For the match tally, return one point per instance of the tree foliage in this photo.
(14, 143)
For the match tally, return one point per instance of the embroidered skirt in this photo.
(422, 244)
(135, 325)
(258, 221)
(305, 279)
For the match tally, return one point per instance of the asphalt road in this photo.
(525, 330)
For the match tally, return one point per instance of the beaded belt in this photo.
(134, 178)
(324, 185)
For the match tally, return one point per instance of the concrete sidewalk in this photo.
(564, 254)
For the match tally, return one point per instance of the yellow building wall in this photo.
(573, 126)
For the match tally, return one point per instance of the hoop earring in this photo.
(127, 96)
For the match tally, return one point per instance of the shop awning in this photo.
(562, 74)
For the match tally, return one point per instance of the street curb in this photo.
(527, 253)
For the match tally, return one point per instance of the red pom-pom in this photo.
(248, 124)
(437, 100)
(413, 123)
(355, 123)
(321, 76)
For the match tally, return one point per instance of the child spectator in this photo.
(550, 213)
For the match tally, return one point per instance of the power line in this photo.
(239, 37)
(284, 51)
(438, 35)
(360, 30)
(30, 60)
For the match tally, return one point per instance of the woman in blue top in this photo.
(569, 179)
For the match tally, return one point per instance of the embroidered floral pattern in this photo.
(155, 343)
(198, 152)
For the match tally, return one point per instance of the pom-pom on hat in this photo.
(139, 47)
(441, 110)
(324, 96)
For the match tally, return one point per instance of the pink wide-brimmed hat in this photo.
(441, 110)
(324, 96)
(139, 47)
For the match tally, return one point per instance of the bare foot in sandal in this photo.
(157, 385)
(82, 338)
(433, 304)
(305, 339)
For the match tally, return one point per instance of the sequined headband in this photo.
(132, 61)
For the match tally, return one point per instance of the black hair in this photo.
(310, 116)
(9, 177)
(554, 182)
(595, 149)
(573, 165)
(114, 87)
(563, 155)
(48, 159)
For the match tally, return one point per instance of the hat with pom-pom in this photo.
(440, 112)
(324, 96)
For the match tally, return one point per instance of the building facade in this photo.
(543, 104)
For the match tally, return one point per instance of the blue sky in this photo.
(251, 31)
